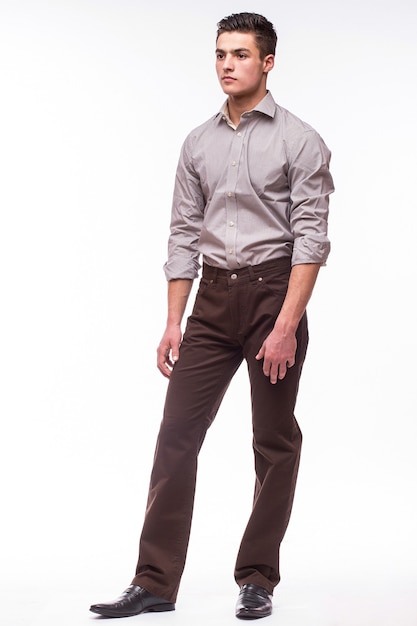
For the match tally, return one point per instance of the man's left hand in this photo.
(278, 353)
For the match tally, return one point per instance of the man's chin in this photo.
(231, 90)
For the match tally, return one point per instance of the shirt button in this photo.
(233, 276)
(239, 134)
(233, 163)
(231, 223)
(230, 194)
(231, 251)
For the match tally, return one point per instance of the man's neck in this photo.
(239, 105)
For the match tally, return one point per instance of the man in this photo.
(251, 197)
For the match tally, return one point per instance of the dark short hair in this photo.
(263, 30)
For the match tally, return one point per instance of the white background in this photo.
(96, 99)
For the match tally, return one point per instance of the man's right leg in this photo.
(208, 360)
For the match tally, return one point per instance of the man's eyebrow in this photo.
(233, 51)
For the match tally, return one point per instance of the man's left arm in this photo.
(278, 349)
(310, 185)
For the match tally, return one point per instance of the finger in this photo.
(261, 353)
(273, 374)
(283, 370)
(163, 362)
(166, 373)
(165, 368)
(175, 352)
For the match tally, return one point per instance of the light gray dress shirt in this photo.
(248, 194)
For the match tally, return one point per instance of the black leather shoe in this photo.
(253, 602)
(134, 600)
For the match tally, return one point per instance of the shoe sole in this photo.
(157, 608)
(248, 615)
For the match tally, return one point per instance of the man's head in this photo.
(263, 31)
(244, 56)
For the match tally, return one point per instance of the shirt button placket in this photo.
(231, 199)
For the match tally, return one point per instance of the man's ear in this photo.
(269, 62)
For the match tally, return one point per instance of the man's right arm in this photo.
(183, 264)
(187, 217)
(168, 349)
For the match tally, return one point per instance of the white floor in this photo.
(334, 605)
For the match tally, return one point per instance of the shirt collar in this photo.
(266, 106)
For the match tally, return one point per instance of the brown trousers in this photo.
(233, 313)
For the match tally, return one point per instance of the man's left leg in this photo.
(277, 446)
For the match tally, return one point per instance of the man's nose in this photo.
(228, 62)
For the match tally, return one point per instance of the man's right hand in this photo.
(168, 350)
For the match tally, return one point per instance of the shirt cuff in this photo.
(310, 250)
(181, 268)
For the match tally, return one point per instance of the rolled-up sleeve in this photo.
(310, 184)
(186, 219)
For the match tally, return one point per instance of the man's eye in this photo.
(242, 56)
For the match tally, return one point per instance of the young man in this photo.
(251, 197)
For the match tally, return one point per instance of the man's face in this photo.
(240, 69)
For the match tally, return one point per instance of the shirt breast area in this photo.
(248, 164)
